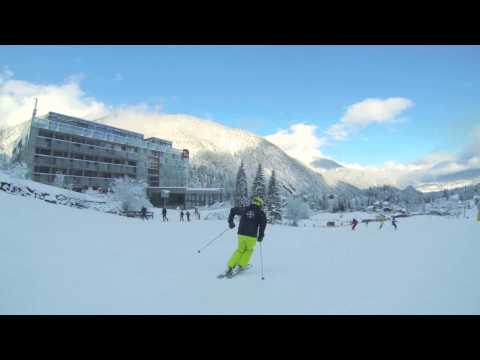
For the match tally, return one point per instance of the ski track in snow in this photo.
(60, 260)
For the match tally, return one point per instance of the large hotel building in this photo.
(89, 154)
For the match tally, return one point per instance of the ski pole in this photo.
(211, 241)
(261, 259)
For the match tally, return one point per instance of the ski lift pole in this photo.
(211, 241)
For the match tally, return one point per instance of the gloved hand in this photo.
(260, 239)
(231, 224)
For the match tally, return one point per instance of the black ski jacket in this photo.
(252, 221)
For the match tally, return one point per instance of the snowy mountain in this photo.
(450, 181)
(217, 150)
(325, 164)
(364, 179)
(359, 178)
(216, 147)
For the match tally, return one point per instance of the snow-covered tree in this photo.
(131, 193)
(297, 210)
(273, 201)
(258, 186)
(18, 170)
(240, 197)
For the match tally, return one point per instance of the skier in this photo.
(164, 214)
(144, 213)
(181, 215)
(394, 223)
(354, 223)
(188, 215)
(250, 230)
(197, 214)
(382, 220)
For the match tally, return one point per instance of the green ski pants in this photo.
(244, 251)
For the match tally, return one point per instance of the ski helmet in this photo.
(257, 200)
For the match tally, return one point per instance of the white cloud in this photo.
(5, 74)
(435, 157)
(366, 112)
(300, 142)
(17, 101)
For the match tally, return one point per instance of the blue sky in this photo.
(265, 89)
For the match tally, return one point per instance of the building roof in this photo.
(88, 124)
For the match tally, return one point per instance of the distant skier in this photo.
(394, 223)
(354, 223)
(188, 215)
(144, 213)
(164, 214)
(382, 221)
(197, 214)
(251, 229)
(181, 216)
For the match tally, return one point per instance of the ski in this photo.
(233, 274)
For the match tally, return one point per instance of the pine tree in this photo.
(273, 201)
(241, 188)
(258, 186)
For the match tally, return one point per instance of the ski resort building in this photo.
(76, 153)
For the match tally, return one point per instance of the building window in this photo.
(76, 172)
(41, 169)
(77, 156)
(42, 151)
(45, 133)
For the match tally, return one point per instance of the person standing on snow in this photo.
(181, 215)
(354, 223)
(144, 213)
(164, 214)
(188, 216)
(251, 229)
(394, 223)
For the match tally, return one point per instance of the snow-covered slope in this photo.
(61, 260)
(217, 146)
(54, 195)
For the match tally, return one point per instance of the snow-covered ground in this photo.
(62, 260)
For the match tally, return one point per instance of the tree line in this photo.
(270, 195)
